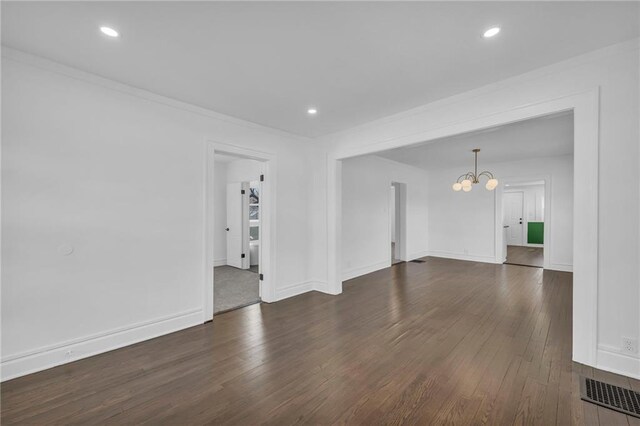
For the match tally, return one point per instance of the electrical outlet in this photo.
(68, 354)
(629, 345)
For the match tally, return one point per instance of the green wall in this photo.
(535, 233)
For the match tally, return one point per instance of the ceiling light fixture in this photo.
(465, 181)
(312, 111)
(109, 31)
(491, 32)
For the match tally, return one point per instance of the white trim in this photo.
(294, 290)
(611, 359)
(364, 270)
(320, 286)
(50, 356)
(267, 221)
(219, 262)
(417, 255)
(462, 256)
(562, 267)
(585, 106)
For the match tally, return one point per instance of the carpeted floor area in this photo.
(234, 288)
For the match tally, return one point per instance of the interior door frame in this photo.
(400, 222)
(585, 106)
(267, 230)
(548, 225)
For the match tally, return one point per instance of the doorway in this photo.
(397, 218)
(523, 213)
(585, 254)
(237, 202)
(238, 215)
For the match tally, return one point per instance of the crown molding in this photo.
(87, 77)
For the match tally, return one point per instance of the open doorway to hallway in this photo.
(523, 220)
(397, 219)
(237, 195)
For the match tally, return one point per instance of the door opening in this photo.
(397, 222)
(238, 228)
(523, 212)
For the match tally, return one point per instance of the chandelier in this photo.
(465, 181)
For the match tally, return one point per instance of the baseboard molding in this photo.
(364, 270)
(51, 356)
(321, 286)
(219, 262)
(611, 359)
(294, 290)
(462, 256)
(417, 255)
(560, 267)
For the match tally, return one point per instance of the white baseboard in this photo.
(51, 356)
(462, 256)
(357, 272)
(219, 262)
(294, 290)
(417, 255)
(297, 289)
(560, 267)
(321, 286)
(611, 359)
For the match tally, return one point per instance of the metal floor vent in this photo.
(417, 261)
(616, 398)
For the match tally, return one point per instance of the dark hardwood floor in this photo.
(525, 256)
(444, 341)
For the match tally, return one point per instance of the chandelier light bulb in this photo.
(457, 186)
(466, 188)
(492, 184)
(466, 183)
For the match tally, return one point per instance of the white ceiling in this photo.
(266, 62)
(541, 137)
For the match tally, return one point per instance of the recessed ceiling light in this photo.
(109, 31)
(491, 32)
(312, 111)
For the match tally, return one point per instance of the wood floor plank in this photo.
(441, 342)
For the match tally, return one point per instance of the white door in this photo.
(238, 225)
(513, 206)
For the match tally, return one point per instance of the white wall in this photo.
(118, 174)
(220, 213)
(614, 72)
(463, 224)
(365, 213)
(244, 171)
